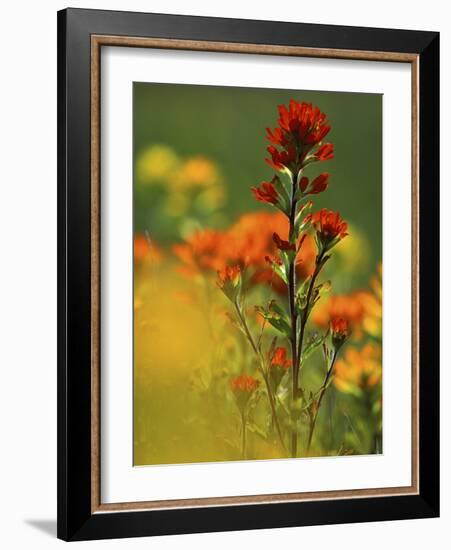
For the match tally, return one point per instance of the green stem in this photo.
(262, 371)
(321, 395)
(293, 316)
(318, 266)
(243, 435)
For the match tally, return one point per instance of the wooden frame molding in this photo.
(97, 41)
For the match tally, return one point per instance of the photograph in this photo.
(248, 273)
(257, 267)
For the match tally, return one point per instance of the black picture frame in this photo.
(76, 521)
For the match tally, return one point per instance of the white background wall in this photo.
(28, 271)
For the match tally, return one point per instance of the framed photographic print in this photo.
(248, 274)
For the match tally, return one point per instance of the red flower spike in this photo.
(301, 129)
(266, 193)
(306, 123)
(283, 245)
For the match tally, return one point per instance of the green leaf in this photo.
(315, 341)
(279, 324)
(301, 295)
(276, 317)
(299, 222)
(283, 194)
(281, 272)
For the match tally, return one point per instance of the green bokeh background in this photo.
(227, 125)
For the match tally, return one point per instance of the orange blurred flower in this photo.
(250, 237)
(359, 368)
(247, 243)
(201, 252)
(145, 250)
(362, 309)
(198, 171)
(348, 308)
(253, 245)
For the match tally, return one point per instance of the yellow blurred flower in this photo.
(190, 184)
(196, 172)
(372, 304)
(359, 368)
(344, 306)
(353, 253)
(156, 164)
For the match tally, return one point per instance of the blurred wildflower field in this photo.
(257, 285)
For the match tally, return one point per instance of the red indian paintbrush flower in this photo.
(229, 275)
(302, 127)
(301, 122)
(242, 388)
(229, 281)
(329, 226)
(278, 366)
(266, 193)
(340, 331)
(279, 358)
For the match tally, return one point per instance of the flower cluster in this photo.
(330, 228)
(201, 253)
(298, 138)
(288, 250)
(249, 243)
